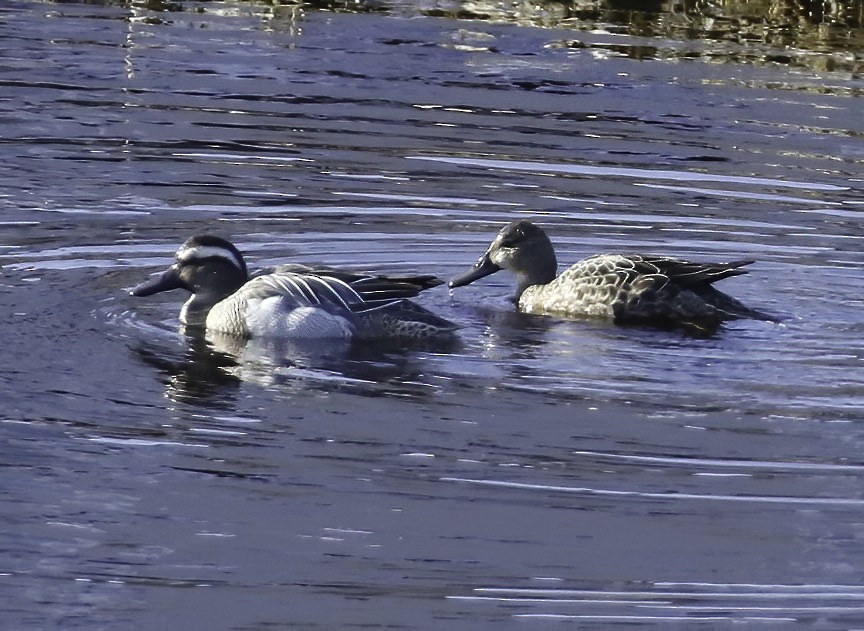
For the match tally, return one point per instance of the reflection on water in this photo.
(674, 603)
(810, 34)
(781, 32)
(207, 368)
(200, 375)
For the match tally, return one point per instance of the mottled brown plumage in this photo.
(624, 288)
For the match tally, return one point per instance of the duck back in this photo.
(639, 289)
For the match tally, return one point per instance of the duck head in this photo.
(520, 247)
(209, 267)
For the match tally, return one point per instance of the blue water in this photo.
(541, 471)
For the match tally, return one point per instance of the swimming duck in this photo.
(622, 288)
(292, 301)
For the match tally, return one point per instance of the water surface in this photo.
(540, 471)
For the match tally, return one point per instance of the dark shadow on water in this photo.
(211, 368)
(199, 374)
(518, 330)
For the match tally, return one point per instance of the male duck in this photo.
(292, 301)
(622, 288)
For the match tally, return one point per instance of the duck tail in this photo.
(402, 319)
(734, 309)
(701, 274)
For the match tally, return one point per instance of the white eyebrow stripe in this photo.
(207, 251)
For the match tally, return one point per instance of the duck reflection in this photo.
(200, 374)
(509, 333)
(213, 367)
(268, 361)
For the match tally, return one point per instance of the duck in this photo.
(292, 301)
(622, 288)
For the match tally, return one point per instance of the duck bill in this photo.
(483, 267)
(166, 281)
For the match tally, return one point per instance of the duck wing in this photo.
(651, 289)
(698, 278)
(390, 288)
(378, 308)
(370, 287)
(686, 273)
(302, 290)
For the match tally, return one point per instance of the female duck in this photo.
(292, 301)
(622, 288)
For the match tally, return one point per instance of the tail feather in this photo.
(691, 275)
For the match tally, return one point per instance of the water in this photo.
(543, 470)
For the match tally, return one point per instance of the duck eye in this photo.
(512, 238)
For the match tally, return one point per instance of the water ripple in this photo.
(646, 174)
(679, 602)
(671, 495)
